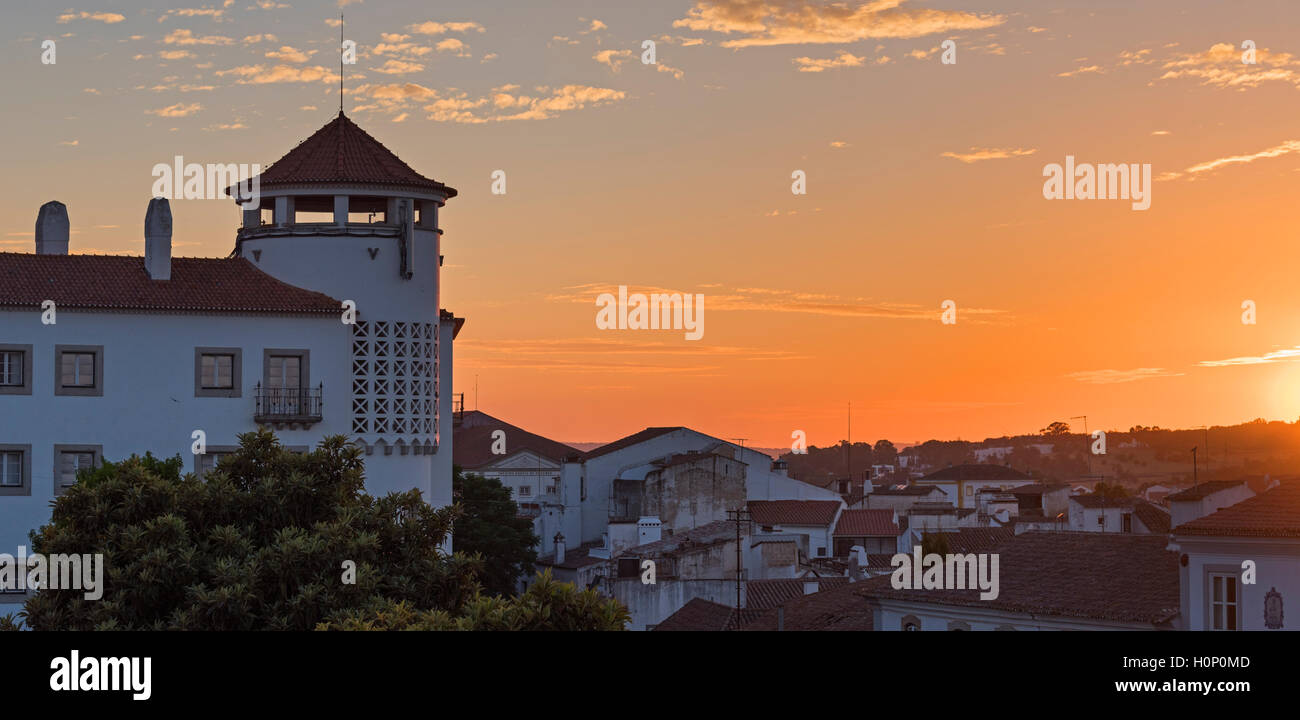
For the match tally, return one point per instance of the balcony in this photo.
(288, 407)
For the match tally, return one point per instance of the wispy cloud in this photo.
(798, 22)
(792, 301)
(844, 59)
(177, 110)
(1285, 148)
(976, 154)
(1110, 377)
(1287, 355)
(104, 17)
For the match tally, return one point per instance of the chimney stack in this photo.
(559, 548)
(158, 239)
(52, 229)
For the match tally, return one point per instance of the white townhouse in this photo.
(102, 357)
(1217, 591)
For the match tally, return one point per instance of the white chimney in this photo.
(52, 229)
(779, 467)
(158, 239)
(809, 587)
(559, 548)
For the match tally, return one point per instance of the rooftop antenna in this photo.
(340, 63)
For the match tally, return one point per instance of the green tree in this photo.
(1056, 429)
(490, 528)
(884, 452)
(545, 605)
(262, 542)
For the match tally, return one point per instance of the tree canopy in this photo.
(490, 528)
(265, 542)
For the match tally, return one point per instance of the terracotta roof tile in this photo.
(1104, 576)
(866, 523)
(115, 282)
(630, 440)
(341, 152)
(841, 607)
(472, 441)
(1204, 490)
(1275, 513)
(698, 614)
(793, 512)
(1155, 518)
(764, 594)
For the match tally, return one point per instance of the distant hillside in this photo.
(1137, 457)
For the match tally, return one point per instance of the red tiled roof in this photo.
(976, 539)
(630, 440)
(1204, 490)
(793, 512)
(841, 607)
(472, 441)
(866, 523)
(1106, 576)
(1152, 516)
(764, 594)
(1275, 513)
(698, 614)
(114, 282)
(341, 152)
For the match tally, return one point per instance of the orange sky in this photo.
(924, 184)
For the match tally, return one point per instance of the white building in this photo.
(145, 351)
(1217, 594)
(1206, 498)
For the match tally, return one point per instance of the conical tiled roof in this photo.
(341, 152)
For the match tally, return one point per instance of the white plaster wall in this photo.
(1277, 566)
(149, 404)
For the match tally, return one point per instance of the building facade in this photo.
(104, 357)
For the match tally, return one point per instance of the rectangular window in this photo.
(11, 368)
(285, 375)
(79, 370)
(15, 470)
(1225, 602)
(15, 369)
(525, 491)
(218, 372)
(11, 469)
(71, 459)
(212, 455)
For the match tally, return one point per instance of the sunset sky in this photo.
(924, 184)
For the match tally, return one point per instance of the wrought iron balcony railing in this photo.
(288, 405)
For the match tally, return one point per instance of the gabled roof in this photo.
(982, 472)
(1275, 513)
(341, 152)
(866, 523)
(1155, 518)
(698, 614)
(976, 539)
(909, 490)
(764, 594)
(1204, 490)
(120, 282)
(472, 441)
(793, 512)
(837, 607)
(1104, 576)
(633, 439)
